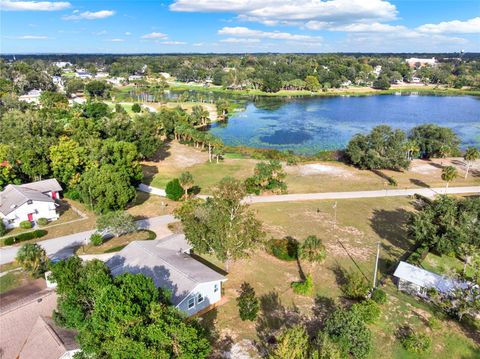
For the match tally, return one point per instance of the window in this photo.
(29, 201)
(215, 288)
(199, 298)
(10, 221)
(191, 303)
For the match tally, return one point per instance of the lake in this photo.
(308, 125)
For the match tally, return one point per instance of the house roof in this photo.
(166, 262)
(14, 196)
(48, 341)
(426, 279)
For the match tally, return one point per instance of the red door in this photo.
(54, 195)
(30, 217)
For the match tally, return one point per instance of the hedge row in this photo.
(24, 237)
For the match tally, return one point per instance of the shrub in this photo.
(368, 311)
(33, 259)
(26, 224)
(151, 234)
(416, 342)
(42, 221)
(247, 302)
(3, 229)
(96, 239)
(72, 194)
(355, 287)
(136, 108)
(174, 190)
(116, 223)
(24, 237)
(379, 296)
(305, 287)
(285, 249)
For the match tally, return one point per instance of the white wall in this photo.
(39, 209)
(208, 293)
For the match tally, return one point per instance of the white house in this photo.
(415, 280)
(29, 202)
(135, 77)
(117, 81)
(414, 62)
(83, 75)
(194, 287)
(32, 96)
(62, 64)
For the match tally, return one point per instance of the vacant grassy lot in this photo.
(12, 280)
(445, 265)
(360, 225)
(303, 178)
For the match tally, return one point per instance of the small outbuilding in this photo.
(417, 281)
(194, 286)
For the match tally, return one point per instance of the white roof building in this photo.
(414, 61)
(33, 96)
(194, 287)
(417, 280)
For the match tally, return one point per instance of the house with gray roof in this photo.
(29, 202)
(194, 286)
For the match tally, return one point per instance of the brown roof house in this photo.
(29, 202)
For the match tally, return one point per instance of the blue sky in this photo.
(156, 26)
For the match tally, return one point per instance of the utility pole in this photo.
(376, 266)
(334, 216)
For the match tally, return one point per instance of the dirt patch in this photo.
(178, 156)
(313, 169)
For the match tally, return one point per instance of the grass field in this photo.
(12, 280)
(359, 226)
(304, 177)
(446, 265)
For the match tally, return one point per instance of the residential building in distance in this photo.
(29, 202)
(33, 96)
(194, 286)
(416, 62)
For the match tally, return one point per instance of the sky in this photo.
(239, 26)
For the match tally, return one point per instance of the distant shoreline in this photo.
(356, 91)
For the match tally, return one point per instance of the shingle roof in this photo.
(13, 196)
(426, 279)
(48, 341)
(166, 262)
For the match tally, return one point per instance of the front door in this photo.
(30, 217)
(54, 195)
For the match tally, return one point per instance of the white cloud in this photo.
(116, 40)
(155, 35)
(357, 27)
(32, 37)
(99, 33)
(240, 40)
(90, 15)
(33, 5)
(272, 12)
(173, 43)
(471, 26)
(245, 32)
(198, 44)
(128, 33)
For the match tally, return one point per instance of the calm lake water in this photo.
(308, 125)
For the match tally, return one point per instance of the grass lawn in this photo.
(303, 178)
(115, 244)
(146, 205)
(445, 265)
(12, 280)
(360, 225)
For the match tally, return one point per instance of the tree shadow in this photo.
(163, 152)
(149, 173)
(273, 317)
(419, 183)
(322, 308)
(220, 345)
(392, 226)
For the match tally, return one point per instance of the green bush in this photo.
(368, 311)
(96, 239)
(72, 194)
(3, 229)
(174, 190)
(379, 296)
(416, 342)
(305, 287)
(42, 221)
(136, 108)
(355, 287)
(151, 234)
(26, 224)
(24, 237)
(285, 249)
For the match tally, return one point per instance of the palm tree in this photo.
(471, 154)
(186, 181)
(412, 149)
(449, 173)
(312, 250)
(33, 259)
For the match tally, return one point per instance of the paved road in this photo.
(428, 192)
(63, 247)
